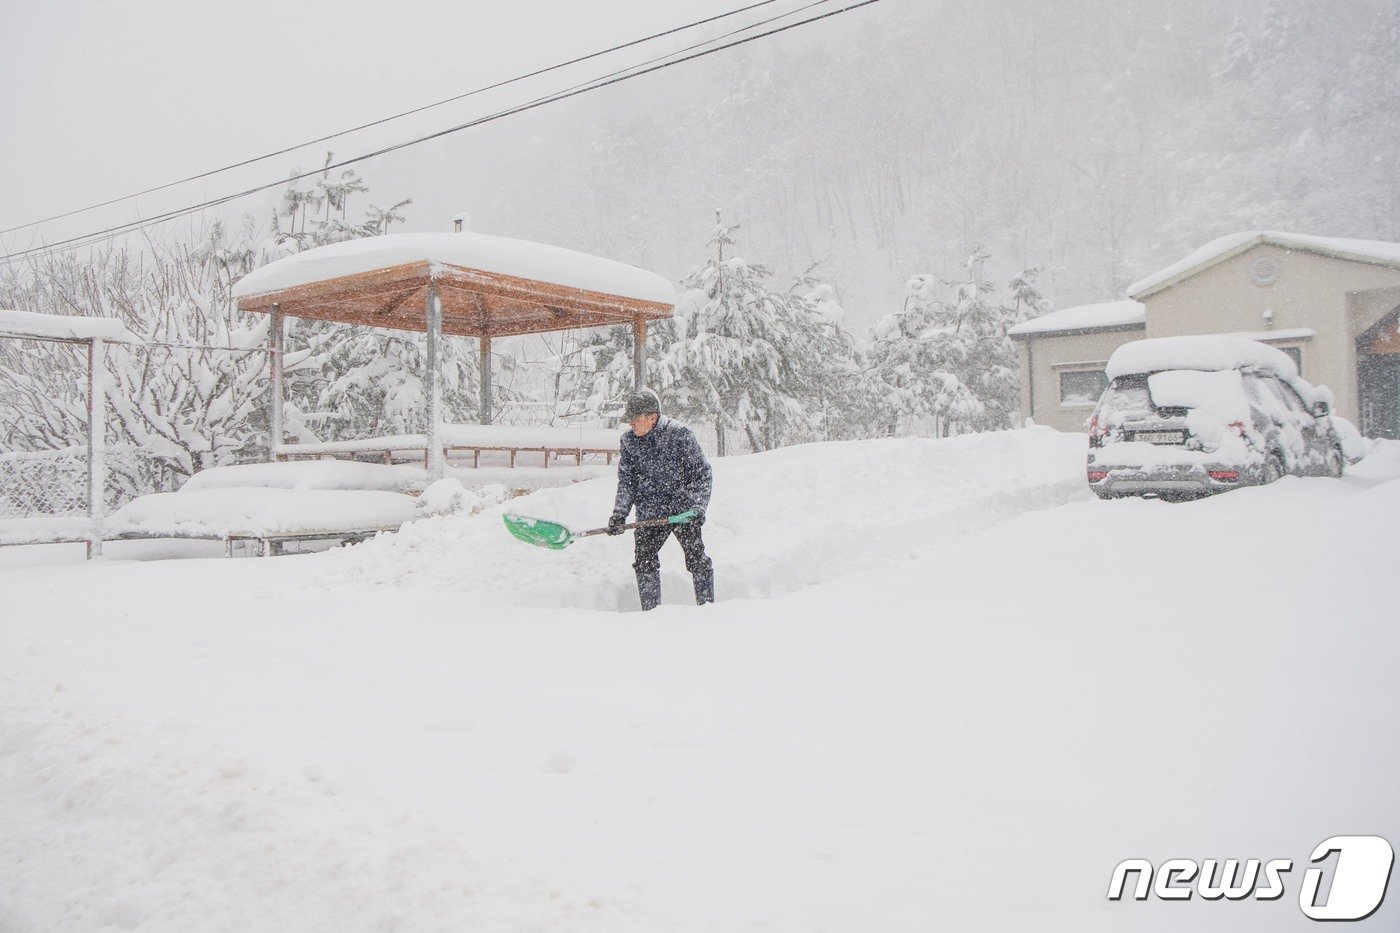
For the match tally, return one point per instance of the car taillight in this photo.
(1097, 475)
(1225, 475)
(1098, 431)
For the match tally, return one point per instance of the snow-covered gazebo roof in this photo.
(488, 286)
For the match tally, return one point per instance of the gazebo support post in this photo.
(97, 446)
(276, 338)
(639, 353)
(437, 462)
(485, 380)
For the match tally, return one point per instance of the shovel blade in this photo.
(539, 532)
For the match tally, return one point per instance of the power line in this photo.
(91, 239)
(383, 120)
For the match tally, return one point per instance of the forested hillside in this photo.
(1096, 141)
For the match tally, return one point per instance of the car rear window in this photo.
(1125, 400)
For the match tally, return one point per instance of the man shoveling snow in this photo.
(663, 472)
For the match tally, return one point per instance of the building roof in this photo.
(1376, 252)
(1103, 316)
(489, 286)
(27, 324)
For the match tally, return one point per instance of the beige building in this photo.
(1331, 304)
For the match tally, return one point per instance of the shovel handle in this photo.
(680, 519)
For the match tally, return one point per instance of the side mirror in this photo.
(1321, 401)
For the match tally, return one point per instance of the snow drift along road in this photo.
(778, 521)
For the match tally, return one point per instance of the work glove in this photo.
(615, 523)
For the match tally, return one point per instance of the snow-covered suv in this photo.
(1188, 416)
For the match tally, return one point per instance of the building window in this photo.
(1296, 353)
(1081, 388)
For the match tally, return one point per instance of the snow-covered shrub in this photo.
(450, 497)
(194, 397)
(446, 497)
(945, 357)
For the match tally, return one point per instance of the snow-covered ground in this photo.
(944, 688)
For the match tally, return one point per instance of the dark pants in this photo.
(648, 562)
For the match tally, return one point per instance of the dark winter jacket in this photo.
(664, 473)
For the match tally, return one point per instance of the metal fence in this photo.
(54, 482)
(46, 482)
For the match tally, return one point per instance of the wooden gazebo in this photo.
(465, 284)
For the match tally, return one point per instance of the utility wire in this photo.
(383, 120)
(91, 239)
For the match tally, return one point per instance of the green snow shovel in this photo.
(556, 537)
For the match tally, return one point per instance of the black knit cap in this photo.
(644, 402)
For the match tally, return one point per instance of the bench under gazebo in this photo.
(463, 284)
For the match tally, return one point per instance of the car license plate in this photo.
(1160, 437)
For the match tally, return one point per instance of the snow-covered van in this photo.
(1188, 416)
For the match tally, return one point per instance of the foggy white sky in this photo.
(106, 97)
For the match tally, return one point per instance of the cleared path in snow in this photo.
(779, 521)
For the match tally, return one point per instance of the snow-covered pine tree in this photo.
(366, 382)
(847, 395)
(593, 371)
(351, 381)
(764, 364)
(1025, 300)
(949, 359)
(969, 342)
(911, 371)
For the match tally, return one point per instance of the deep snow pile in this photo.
(255, 511)
(778, 521)
(969, 740)
(310, 474)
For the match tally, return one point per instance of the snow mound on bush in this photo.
(449, 497)
(779, 521)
